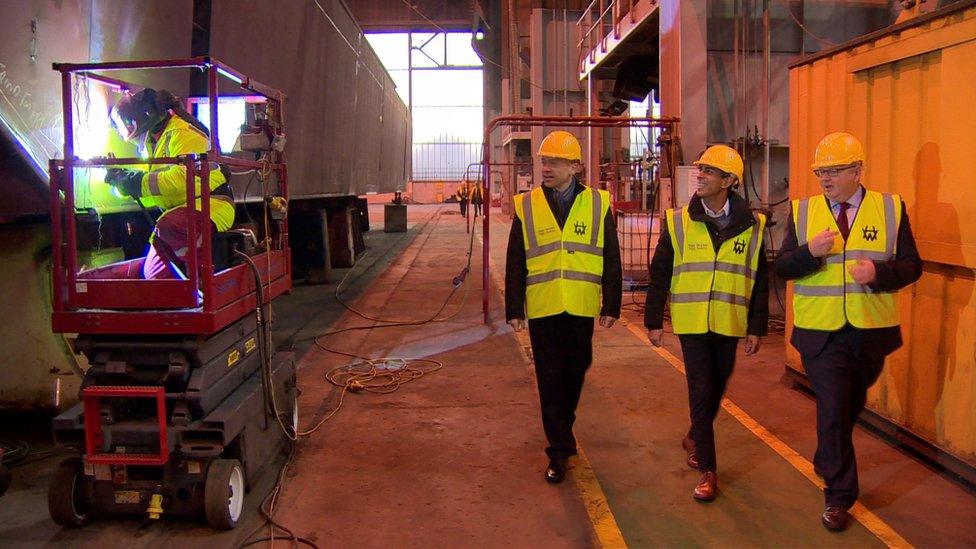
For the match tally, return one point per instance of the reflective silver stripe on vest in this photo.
(568, 275)
(871, 255)
(818, 291)
(704, 297)
(583, 277)
(585, 248)
(855, 288)
(597, 208)
(801, 221)
(679, 229)
(835, 291)
(708, 266)
(868, 254)
(154, 184)
(529, 224)
(541, 277)
(890, 224)
(542, 250)
(754, 243)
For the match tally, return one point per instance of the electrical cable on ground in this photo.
(374, 375)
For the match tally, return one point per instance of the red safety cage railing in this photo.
(205, 301)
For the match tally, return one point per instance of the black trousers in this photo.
(477, 208)
(562, 348)
(840, 375)
(464, 207)
(709, 361)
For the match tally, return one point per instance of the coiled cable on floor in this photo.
(374, 375)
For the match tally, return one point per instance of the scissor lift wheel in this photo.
(67, 499)
(224, 493)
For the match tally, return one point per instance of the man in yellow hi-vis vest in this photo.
(462, 197)
(848, 253)
(711, 259)
(562, 271)
(164, 129)
(477, 198)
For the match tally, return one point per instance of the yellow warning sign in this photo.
(233, 357)
(250, 345)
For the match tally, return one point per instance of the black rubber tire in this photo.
(221, 505)
(67, 500)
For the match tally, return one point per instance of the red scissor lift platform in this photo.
(180, 370)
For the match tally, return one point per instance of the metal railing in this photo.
(635, 234)
(593, 31)
(444, 161)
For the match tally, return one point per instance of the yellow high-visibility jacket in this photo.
(164, 185)
(565, 267)
(711, 291)
(830, 298)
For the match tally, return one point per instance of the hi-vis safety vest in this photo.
(829, 298)
(164, 185)
(565, 266)
(710, 291)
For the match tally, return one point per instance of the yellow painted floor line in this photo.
(605, 528)
(872, 522)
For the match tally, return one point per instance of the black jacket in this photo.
(516, 270)
(662, 265)
(796, 262)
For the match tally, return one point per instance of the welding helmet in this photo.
(137, 113)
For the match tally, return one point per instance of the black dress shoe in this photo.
(834, 518)
(556, 471)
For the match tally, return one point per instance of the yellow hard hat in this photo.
(724, 158)
(560, 144)
(837, 149)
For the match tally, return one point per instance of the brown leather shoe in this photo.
(834, 518)
(707, 486)
(689, 446)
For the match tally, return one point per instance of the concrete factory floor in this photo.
(454, 458)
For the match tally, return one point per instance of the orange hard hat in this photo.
(837, 149)
(724, 158)
(561, 144)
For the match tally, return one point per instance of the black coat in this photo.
(905, 268)
(516, 270)
(662, 265)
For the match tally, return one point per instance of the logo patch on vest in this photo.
(739, 247)
(580, 228)
(870, 233)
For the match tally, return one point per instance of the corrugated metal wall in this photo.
(909, 95)
(348, 131)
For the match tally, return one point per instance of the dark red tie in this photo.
(842, 223)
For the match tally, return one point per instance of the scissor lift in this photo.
(184, 400)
